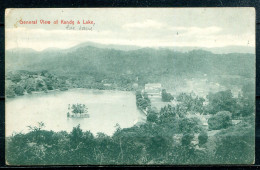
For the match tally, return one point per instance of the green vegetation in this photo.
(168, 137)
(152, 116)
(203, 137)
(222, 100)
(142, 101)
(172, 135)
(166, 97)
(190, 125)
(190, 102)
(26, 82)
(23, 82)
(147, 63)
(237, 143)
(221, 120)
(243, 105)
(79, 108)
(109, 69)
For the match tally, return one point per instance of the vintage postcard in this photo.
(130, 86)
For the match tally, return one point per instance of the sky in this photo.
(145, 27)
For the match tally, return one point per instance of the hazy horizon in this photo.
(144, 27)
(224, 49)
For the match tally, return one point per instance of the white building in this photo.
(153, 88)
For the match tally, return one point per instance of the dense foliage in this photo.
(243, 105)
(166, 97)
(237, 143)
(19, 83)
(23, 82)
(222, 100)
(169, 136)
(191, 102)
(142, 101)
(107, 69)
(203, 137)
(79, 108)
(174, 134)
(145, 62)
(221, 120)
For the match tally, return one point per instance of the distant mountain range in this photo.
(219, 50)
(216, 50)
(98, 59)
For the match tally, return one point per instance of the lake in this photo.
(106, 109)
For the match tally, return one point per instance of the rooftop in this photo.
(153, 85)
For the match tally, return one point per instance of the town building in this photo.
(153, 89)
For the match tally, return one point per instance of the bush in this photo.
(236, 144)
(191, 102)
(221, 101)
(9, 92)
(79, 108)
(192, 125)
(221, 120)
(49, 84)
(203, 137)
(247, 106)
(152, 117)
(168, 111)
(30, 88)
(142, 102)
(19, 90)
(166, 97)
(186, 139)
(16, 78)
(63, 88)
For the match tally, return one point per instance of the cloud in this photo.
(146, 24)
(154, 34)
(152, 24)
(39, 39)
(197, 30)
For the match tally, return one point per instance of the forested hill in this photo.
(144, 61)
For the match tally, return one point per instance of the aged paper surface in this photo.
(130, 86)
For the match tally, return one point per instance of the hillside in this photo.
(89, 59)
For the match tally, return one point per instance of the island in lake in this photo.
(77, 111)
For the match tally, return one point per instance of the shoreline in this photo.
(58, 90)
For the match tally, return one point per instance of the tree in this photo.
(236, 144)
(79, 108)
(221, 120)
(48, 84)
(203, 137)
(39, 85)
(9, 92)
(76, 135)
(152, 117)
(248, 90)
(191, 103)
(142, 102)
(30, 87)
(19, 90)
(186, 139)
(157, 147)
(221, 101)
(138, 94)
(246, 106)
(190, 125)
(40, 126)
(247, 101)
(166, 97)
(16, 78)
(168, 111)
(37, 132)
